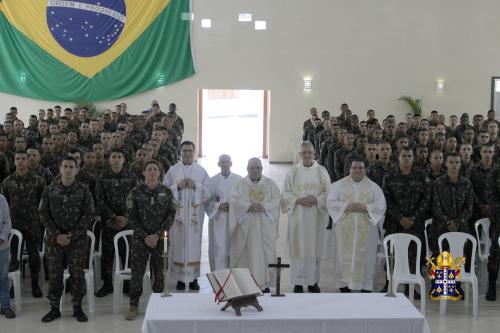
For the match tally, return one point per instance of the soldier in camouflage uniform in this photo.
(341, 154)
(466, 164)
(494, 257)
(138, 134)
(151, 211)
(452, 199)
(155, 144)
(407, 194)
(331, 141)
(34, 159)
(483, 184)
(421, 157)
(174, 135)
(113, 186)
(23, 190)
(49, 159)
(377, 170)
(337, 167)
(141, 157)
(66, 210)
(83, 176)
(178, 121)
(368, 156)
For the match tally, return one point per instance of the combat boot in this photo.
(132, 313)
(491, 294)
(79, 314)
(35, 288)
(54, 313)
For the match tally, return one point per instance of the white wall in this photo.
(363, 52)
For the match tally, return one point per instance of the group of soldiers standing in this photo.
(427, 170)
(65, 174)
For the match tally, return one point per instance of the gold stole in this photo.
(354, 269)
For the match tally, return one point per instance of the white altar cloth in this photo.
(307, 313)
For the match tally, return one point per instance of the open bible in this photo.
(232, 283)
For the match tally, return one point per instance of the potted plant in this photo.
(415, 104)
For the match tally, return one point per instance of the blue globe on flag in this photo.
(86, 28)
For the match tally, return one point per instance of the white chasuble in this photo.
(186, 232)
(253, 234)
(356, 233)
(306, 225)
(218, 227)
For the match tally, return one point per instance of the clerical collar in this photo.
(307, 166)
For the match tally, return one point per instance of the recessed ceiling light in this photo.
(206, 23)
(260, 25)
(245, 17)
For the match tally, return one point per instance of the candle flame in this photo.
(165, 234)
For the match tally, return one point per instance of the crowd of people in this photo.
(426, 168)
(66, 174)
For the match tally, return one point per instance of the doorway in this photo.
(495, 95)
(233, 122)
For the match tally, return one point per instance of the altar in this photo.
(311, 313)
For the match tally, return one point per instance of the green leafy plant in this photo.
(415, 104)
(94, 112)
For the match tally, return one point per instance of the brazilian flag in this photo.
(92, 50)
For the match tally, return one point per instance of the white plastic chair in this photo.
(125, 273)
(428, 252)
(89, 277)
(401, 274)
(484, 244)
(456, 242)
(15, 276)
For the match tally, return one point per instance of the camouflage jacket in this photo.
(112, 190)
(43, 172)
(376, 172)
(150, 211)
(406, 196)
(23, 195)
(451, 201)
(65, 209)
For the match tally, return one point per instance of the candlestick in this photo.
(390, 292)
(165, 242)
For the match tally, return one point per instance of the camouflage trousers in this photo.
(412, 252)
(494, 257)
(74, 256)
(32, 238)
(108, 252)
(140, 253)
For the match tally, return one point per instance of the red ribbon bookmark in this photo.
(217, 294)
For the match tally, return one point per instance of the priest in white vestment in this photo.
(188, 182)
(356, 205)
(220, 186)
(254, 210)
(304, 194)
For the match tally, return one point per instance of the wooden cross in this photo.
(278, 267)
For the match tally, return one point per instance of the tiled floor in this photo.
(457, 319)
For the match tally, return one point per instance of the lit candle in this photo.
(165, 242)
